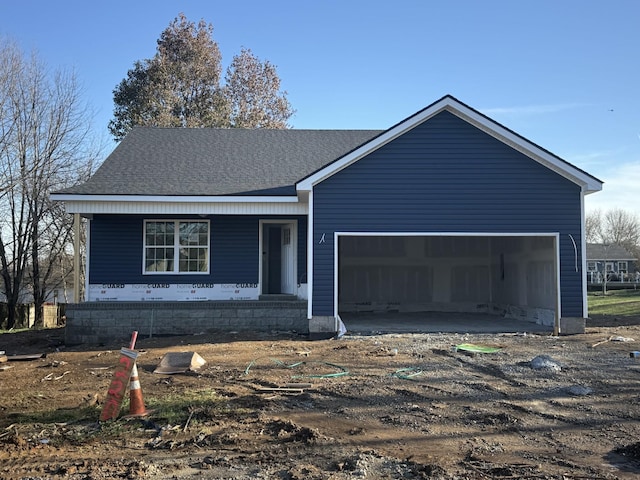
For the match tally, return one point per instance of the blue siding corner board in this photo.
(446, 175)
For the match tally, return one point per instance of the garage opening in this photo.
(511, 276)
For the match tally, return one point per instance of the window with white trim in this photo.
(591, 266)
(176, 246)
(622, 267)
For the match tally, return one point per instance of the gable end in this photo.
(587, 183)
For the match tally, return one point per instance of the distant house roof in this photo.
(598, 251)
(213, 161)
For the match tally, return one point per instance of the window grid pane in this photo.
(159, 259)
(193, 233)
(193, 259)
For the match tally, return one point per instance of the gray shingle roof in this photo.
(211, 161)
(597, 251)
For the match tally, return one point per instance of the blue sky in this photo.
(563, 73)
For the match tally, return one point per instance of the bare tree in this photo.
(43, 138)
(621, 227)
(593, 223)
(615, 226)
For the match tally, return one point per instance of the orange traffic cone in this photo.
(136, 403)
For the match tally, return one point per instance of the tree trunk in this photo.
(12, 311)
(10, 290)
(36, 284)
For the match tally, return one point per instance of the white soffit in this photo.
(112, 204)
(588, 183)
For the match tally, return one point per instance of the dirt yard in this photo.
(383, 406)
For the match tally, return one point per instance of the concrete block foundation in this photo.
(322, 327)
(102, 322)
(572, 325)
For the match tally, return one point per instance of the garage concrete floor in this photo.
(435, 322)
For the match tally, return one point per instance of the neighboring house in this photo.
(615, 260)
(445, 211)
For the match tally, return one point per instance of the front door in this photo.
(278, 261)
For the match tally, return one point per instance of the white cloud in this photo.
(621, 190)
(594, 160)
(531, 109)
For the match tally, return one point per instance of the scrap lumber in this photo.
(279, 390)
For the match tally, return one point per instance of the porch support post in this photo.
(76, 257)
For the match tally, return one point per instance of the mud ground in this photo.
(380, 406)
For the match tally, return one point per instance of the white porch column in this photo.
(76, 258)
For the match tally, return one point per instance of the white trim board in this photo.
(310, 255)
(69, 197)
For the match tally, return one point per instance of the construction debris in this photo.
(287, 388)
(613, 338)
(20, 358)
(470, 347)
(179, 362)
(51, 376)
(279, 390)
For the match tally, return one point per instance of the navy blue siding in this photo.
(235, 250)
(303, 227)
(446, 175)
(117, 248)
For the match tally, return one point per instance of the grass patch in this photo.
(615, 302)
(15, 330)
(79, 426)
(70, 415)
(193, 405)
(172, 409)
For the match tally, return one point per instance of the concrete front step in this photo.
(278, 297)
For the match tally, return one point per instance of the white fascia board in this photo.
(377, 142)
(308, 183)
(66, 197)
(588, 183)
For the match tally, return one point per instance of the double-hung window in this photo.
(176, 246)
